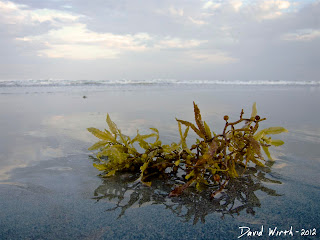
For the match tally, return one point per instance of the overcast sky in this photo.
(167, 39)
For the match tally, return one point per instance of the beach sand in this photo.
(47, 181)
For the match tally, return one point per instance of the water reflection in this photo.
(240, 195)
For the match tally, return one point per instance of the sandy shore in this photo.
(47, 181)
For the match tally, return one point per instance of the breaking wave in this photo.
(156, 82)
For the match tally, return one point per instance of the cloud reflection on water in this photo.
(59, 136)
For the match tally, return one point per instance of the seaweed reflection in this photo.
(238, 195)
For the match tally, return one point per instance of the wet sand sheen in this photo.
(47, 177)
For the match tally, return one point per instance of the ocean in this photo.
(49, 188)
(42, 85)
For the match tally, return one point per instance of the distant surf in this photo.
(156, 82)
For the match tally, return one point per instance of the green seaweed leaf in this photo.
(102, 135)
(266, 150)
(199, 122)
(274, 130)
(254, 110)
(100, 167)
(183, 136)
(98, 145)
(259, 135)
(156, 133)
(276, 142)
(189, 124)
(207, 130)
(112, 126)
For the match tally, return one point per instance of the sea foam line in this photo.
(57, 83)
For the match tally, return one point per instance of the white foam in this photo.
(164, 82)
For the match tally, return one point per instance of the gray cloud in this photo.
(232, 40)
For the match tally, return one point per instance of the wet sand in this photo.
(48, 183)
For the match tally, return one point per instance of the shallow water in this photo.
(48, 182)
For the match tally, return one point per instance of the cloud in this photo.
(197, 21)
(171, 11)
(77, 51)
(302, 35)
(12, 13)
(160, 37)
(181, 16)
(217, 57)
(258, 9)
(49, 15)
(274, 4)
(236, 4)
(169, 42)
(271, 9)
(211, 5)
(68, 38)
(76, 41)
(176, 12)
(10, 6)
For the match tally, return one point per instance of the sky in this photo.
(160, 39)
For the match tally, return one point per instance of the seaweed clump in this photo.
(211, 161)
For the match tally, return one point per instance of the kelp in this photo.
(212, 160)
